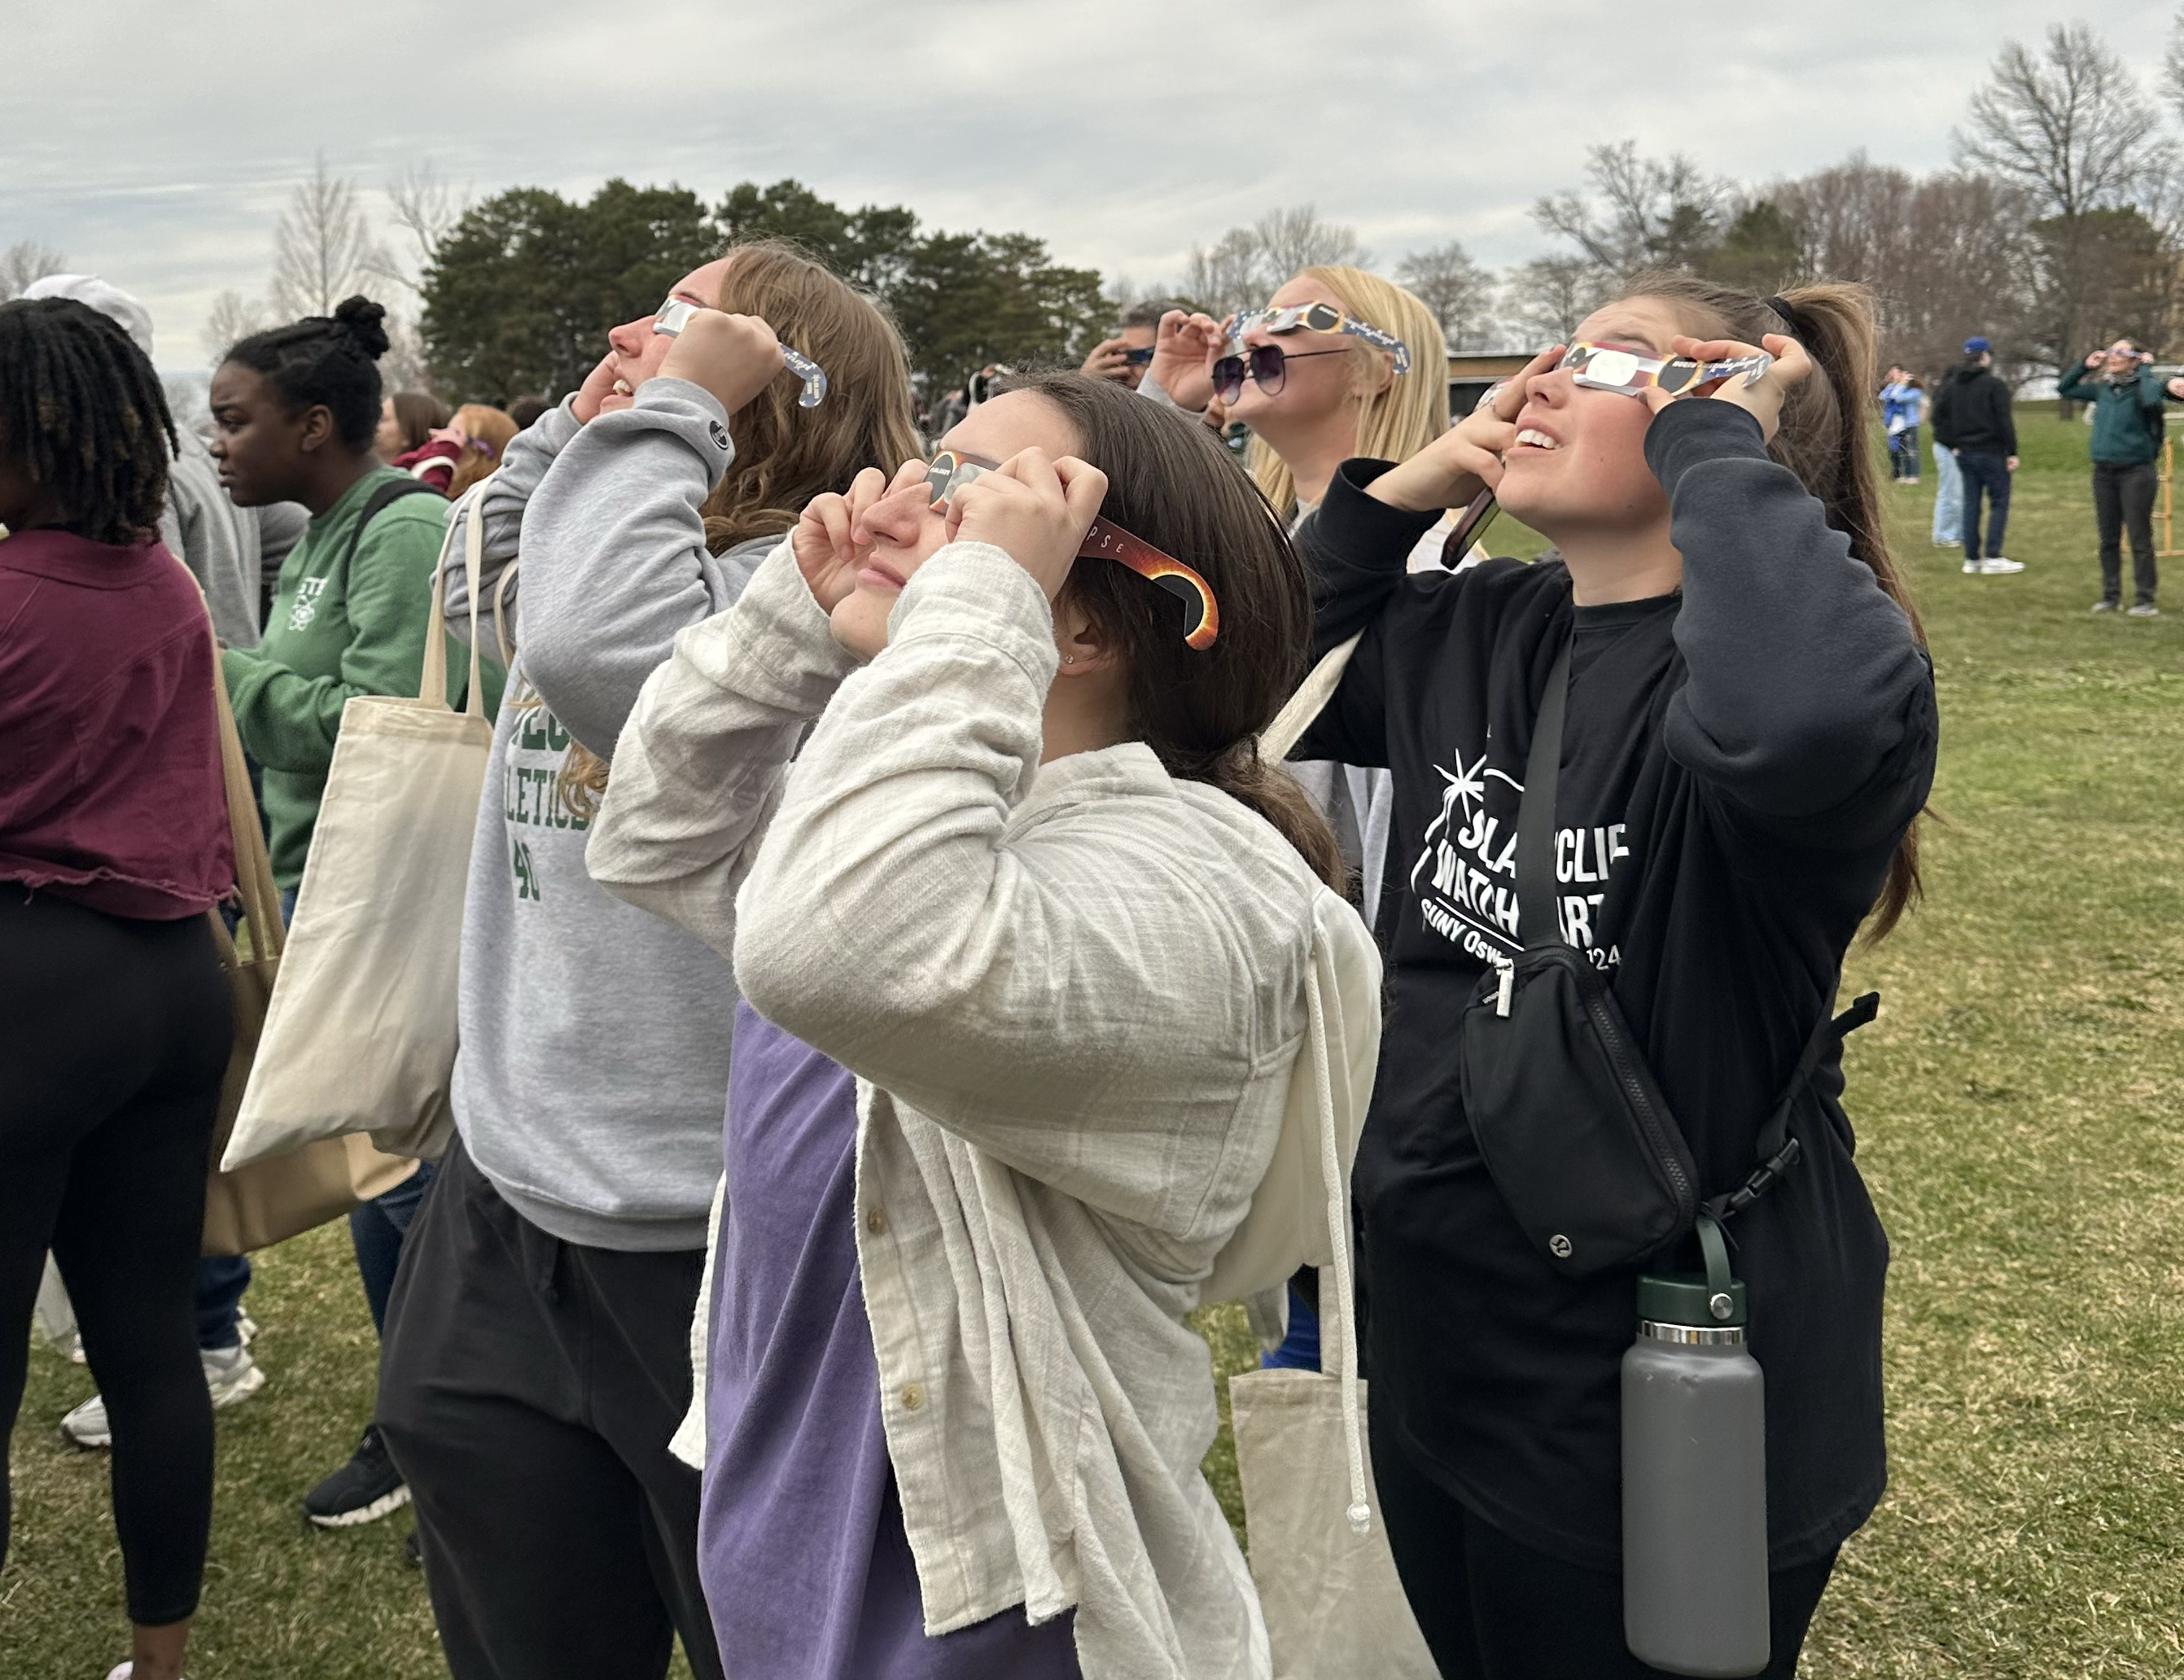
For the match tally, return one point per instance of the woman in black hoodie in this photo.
(1749, 739)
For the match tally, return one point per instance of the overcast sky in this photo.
(155, 144)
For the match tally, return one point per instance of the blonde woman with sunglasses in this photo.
(1029, 941)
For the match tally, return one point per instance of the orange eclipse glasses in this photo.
(948, 471)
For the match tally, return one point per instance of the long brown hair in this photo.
(1822, 439)
(418, 414)
(786, 455)
(1171, 482)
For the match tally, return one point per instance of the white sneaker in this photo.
(125, 1671)
(1993, 566)
(230, 1373)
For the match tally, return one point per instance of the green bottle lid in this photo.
(1687, 1297)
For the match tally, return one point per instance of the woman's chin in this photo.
(859, 621)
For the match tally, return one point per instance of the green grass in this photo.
(2015, 1104)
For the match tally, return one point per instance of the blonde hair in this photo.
(1395, 423)
(481, 423)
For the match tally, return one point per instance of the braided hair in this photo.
(83, 412)
(325, 361)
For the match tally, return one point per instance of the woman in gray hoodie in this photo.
(537, 1356)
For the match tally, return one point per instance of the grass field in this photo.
(2018, 1107)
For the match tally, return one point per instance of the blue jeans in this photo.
(376, 1230)
(1948, 496)
(1300, 1347)
(1991, 474)
(1903, 453)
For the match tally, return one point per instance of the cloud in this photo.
(155, 144)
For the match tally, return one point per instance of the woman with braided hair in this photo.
(114, 1023)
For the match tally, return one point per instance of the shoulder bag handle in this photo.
(253, 868)
(432, 683)
(1536, 813)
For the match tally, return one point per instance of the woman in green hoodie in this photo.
(296, 410)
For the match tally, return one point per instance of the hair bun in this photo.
(359, 320)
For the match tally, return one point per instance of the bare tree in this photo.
(323, 246)
(2172, 66)
(1457, 290)
(1648, 212)
(1246, 265)
(2072, 126)
(233, 316)
(25, 261)
(426, 206)
(2073, 130)
(1548, 296)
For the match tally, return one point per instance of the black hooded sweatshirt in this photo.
(1739, 761)
(1973, 412)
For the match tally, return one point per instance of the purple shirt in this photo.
(801, 1544)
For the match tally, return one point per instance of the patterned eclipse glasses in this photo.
(949, 471)
(673, 315)
(1321, 318)
(1601, 368)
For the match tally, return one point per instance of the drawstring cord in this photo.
(1337, 1230)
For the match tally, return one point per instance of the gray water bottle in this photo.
(1695, 1476)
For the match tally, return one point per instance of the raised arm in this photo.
(614, 561)
(1809, 702)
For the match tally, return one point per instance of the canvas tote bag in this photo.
(1334, 1606)
(360, 1035)
(268, 1201)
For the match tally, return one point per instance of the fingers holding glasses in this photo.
(1033, 508)
(1185, 346)
(1763, 396)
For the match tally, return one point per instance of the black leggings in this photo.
(113, 1035)
(1491, 1609)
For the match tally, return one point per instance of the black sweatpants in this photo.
(113, 1035)
(1493, 1610)
(528, 1390)
(2123, 500)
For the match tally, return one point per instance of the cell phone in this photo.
(1470, 526)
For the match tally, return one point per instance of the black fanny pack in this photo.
(1569, 1119)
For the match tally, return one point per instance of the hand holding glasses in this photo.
(673, 315)
(951, 471)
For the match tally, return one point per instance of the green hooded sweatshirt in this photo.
(340, 626)
(2127, 412)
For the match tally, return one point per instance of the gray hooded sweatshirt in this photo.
(594, 1050)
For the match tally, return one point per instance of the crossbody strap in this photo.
(1536, 814)
(1778, 1151)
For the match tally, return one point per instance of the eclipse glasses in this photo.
(949, 471)
(673, 315)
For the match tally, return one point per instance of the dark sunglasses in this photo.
(948, 471)
(1266, 366)
(1138, 355)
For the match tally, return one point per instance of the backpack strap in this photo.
(1778, 1150)
(381, 499)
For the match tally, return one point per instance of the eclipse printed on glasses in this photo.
(1321, 318)
(672, 316)
(1602, 367)
(949, 471)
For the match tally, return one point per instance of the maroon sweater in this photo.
(110, 789)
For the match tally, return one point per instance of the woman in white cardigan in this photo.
(1026, 935)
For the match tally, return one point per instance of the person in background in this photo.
(1124, 358)
(1312, 399)
(2126, 400)
(1948, 486)
(459, 453)
(114, 1017)
(295, 411)
(407, 421)
(216, 540)
(560, 1535)
(526, 410)
(1974, 419)
(1901, 404)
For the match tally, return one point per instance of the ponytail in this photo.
(1276, 795)
(1822, 439)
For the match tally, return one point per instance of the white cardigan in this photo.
(1074, 996)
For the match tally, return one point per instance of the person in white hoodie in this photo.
(536, 1346)
(1028, 937)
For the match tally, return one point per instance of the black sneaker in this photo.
(363, 1490)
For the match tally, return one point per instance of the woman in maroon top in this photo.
(114, 1024)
